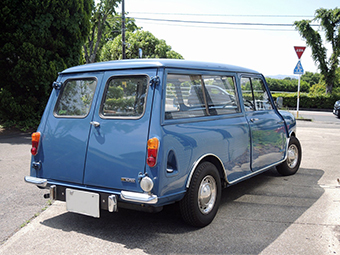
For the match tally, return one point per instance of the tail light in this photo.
(35, 143)
(153, 145)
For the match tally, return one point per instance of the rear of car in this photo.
(93, 142)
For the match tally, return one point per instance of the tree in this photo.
(330, 23)
(100, 13)
(106, 24)
(38, 38)
(311, 78)
(150, 45)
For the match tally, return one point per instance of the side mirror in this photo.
(279, 102)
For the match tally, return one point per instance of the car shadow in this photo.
(15, 137)
(252, 215)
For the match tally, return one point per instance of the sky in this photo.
(266, 49)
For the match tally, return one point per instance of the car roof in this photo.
(149, 63)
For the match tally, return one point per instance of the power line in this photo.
(227, 15)
(219, 23)
(230, 28)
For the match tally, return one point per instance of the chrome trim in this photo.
(53, 192)
(36, 181)
(144, 198)
(256, 173)
(262, 169)
(112, 203)
(292, 156)
(207, 194)
(243, 177)
(95, 123)
(199, 161)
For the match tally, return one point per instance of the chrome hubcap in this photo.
(207, 194)
(293, 156)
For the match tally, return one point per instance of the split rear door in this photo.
(119, 130)
(97, 129)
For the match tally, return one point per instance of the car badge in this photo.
(126, 179)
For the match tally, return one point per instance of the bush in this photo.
(37, 40)
(288, 85)
(317, 89)
(317, 101)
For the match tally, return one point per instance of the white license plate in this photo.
(82, 202)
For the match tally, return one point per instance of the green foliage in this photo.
(311, 78)
(317, 89)
(151, 46)
(318, 101)
(287, 85)
(38, 38)
(106, 24)
(330, 23)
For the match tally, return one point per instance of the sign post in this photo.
(298, 70)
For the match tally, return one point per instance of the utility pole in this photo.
(123, 29)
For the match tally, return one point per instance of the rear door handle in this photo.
(95, 123)
(254, 119)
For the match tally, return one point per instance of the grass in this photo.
(49, 203)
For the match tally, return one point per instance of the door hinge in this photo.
(57, 85)
(155, 81)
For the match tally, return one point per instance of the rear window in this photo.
(190, 96)
(125, 96)
(76, 98)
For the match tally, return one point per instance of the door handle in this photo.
(254, 119)
(95, 123)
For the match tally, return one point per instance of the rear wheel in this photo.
(200, 204)
(292, 163)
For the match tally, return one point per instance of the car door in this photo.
(65, 137)
(268, 134)
(119, 132)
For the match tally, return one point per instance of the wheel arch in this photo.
(212, 158)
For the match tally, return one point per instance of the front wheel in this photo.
(200, 204)
(292, 163)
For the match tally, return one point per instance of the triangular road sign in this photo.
(299, 50)
(298, 68)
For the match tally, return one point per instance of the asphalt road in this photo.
(19, 202)
(268, 214)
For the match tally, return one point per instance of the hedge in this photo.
(321, 101)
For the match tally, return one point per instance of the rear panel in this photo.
(117, 147)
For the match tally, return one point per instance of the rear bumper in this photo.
(36, 181)
(144, 198)
(128, 196)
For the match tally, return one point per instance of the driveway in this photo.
(268, 214)
(19, 202)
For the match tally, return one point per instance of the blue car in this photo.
(336, 110)
(126, 134)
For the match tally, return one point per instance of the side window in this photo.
(255, 96)
(76, 98)
(261, 98)
(125, 96)
(221, 96)
(199, 95)
(247, 94)
(184, 97)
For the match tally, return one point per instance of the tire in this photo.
(291, 165)
(200, 204)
